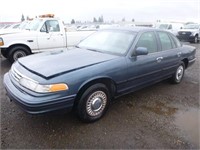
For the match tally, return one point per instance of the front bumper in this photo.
(192, 61)
(34, 104)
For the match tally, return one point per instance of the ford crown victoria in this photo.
(107, 64)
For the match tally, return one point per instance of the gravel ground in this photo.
(161, 116)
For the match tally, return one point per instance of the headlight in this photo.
(34, 86)
(1, 42)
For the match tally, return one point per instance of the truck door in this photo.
(51, 36)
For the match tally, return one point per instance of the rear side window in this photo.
(148, 40)
(176, 41)
(165, 41)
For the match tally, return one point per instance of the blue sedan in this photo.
(107, 64)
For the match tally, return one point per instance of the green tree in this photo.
(94, 19)
(22, 18)
(73, 21)
(101, 19)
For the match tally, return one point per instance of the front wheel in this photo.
(4, 53)
(93, 103)
(17, 52)
(196, 40)
(178, 75)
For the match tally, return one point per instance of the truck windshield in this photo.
(109, 41)
(163, 26)
(191, 26)
(33, 25)
(24, 25)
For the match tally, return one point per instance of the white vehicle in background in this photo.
(14, 26)
(171, 27)
(41, 34)
(190, 33)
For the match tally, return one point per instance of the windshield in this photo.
(163, 26)
(191, 26)
(24, 25)
(33, 25)
(116, 42)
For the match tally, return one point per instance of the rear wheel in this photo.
(178, 75)
(17, 52)
(93, 103)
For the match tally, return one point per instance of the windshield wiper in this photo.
(92, 50)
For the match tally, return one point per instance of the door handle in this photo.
(179, 54)
(159, 59)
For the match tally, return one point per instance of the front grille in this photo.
(184, 33)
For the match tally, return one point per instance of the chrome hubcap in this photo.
(96, 103)
(179, 73)
(18, 54)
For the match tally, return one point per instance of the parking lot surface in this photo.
(160, 116)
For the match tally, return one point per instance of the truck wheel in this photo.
(4, 53)
(17, 52)
(196, 40)
(93, 103)
(178, 75)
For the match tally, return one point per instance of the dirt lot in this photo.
(161, 116)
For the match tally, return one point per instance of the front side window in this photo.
(50, 26)
(148, 40)
(165, 40)
(170, 26)
(108, 41)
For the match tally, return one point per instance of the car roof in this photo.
(133, 29)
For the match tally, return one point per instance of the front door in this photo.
(50, 36)
(145, 69)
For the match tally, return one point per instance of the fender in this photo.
(27, 38)
(96, 78)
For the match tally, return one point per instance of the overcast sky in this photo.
(83, 10)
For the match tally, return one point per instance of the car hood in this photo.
(188, 30)
(51, 64)
(9, 31)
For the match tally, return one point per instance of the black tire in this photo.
(94, 103)
(196, 39)
(4, 53)
(17, 52)
(179, 74)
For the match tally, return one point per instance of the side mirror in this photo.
(141, 51)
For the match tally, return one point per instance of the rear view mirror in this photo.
(141, 51)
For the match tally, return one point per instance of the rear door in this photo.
(170, 52)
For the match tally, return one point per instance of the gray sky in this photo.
(140, 10)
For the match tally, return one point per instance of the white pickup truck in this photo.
(42, 34)
(190, 33)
